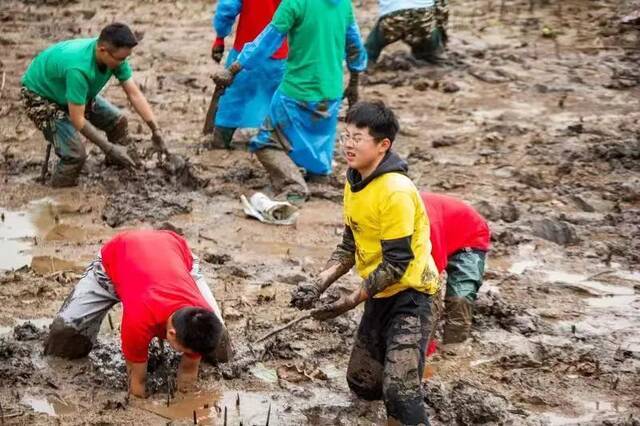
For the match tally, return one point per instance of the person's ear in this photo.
(384, 145)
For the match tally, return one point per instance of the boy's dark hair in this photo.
(118, 35)
(198, 329)
(376, 117)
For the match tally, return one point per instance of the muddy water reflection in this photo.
(209, 408)
(18, 229)
(51, 405)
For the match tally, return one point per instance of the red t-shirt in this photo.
(454, 225)
(150, 271)
(255, 15)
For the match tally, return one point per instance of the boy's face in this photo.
(360, 149)
(110, 56)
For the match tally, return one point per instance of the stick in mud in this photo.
(225, 415)
(238, 401)
(195, 418)
(284, 327)
(110, 321)
(268, 415)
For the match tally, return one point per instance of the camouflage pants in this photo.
(54, 123)
(387, 361)
(424, 30)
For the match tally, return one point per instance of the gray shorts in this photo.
(75, 328)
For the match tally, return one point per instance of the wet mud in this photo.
(531, 117)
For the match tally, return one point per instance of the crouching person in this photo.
(157, 279)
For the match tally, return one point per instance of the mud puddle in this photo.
(209, 407)
(21, 231)
(51, 405)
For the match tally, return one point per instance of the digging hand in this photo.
(117, 153)
(217, 50)
(158, 145)
(305, 295)
(340, 306)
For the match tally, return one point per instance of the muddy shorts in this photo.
(423, 29)
(54, 123)
(387, 361)
(465, 269)
(75, 329)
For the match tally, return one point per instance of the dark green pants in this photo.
(464, 273)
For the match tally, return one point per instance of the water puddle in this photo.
(596, 410)
(51, 405)
(208, 408)
(19, 231)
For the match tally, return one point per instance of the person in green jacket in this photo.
(61, 95)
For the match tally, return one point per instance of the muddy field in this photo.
(533, 118)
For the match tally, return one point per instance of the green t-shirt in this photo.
(316, 31)
(67, 72)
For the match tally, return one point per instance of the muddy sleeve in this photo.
(356, 54)
(344, 253)
(262, 48)
(397, 223)
(225, 16)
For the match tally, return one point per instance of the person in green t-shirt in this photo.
(300, 128)
(61, 95)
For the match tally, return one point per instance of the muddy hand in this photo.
(351, 92)
(340, 306)
(217, 52)
(305, 295)
(118, 154)
(158, 145)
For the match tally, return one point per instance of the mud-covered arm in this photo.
(356, 54)
(137, 374)
(225, 16)
(397, 224)
(341, 260)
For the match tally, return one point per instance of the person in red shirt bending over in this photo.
(460, 239)
(157, 279)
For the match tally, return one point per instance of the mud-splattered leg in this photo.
(406, 339)
(464, 278)
(364, 374)
(76, 326)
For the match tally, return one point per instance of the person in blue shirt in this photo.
(419, 23)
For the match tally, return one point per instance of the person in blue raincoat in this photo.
(299, 132)
(246, 102)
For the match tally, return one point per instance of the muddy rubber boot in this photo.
(286, 178)
(457, 324)
(221, 138)
(66, 342)
(66, 174)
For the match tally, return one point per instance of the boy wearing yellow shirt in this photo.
(386, 237)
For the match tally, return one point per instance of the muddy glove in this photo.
(340, 306)
(158, 146)
(351, 92)
(116, 153)
(225, 77)
(217, 49)
(305, 295)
